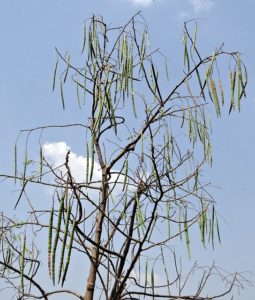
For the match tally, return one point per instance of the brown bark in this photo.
(91, 280)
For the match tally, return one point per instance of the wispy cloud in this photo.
(142, 2)
(201, 5)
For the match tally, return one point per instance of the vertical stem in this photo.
(91, 280)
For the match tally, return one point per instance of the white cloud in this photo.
(142, 2)
(55, 154)
(201, 5)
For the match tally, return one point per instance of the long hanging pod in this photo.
(194, 39)
(240, 89)
(111, 110)
(168, 209)
(84, 37)
(53, 260)
(186, 229)
(22, 265)
(152, 283)
(67, 67)
(92, 155)
(232, 77)
(50, 238)
(68, 213)
(186, 53)
(25, 168)
(62, 94)
(54, 75)
(221, 92)
(69, 253)
(125, 175)
(200, 84)
(77, 93)
(215, 97)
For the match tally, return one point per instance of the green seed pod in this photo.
(179, 224)
(89, 45)
(239, 84)
(62, 94)
(146, 276)
(215, 97)
(186, 229)
(67, 67)
(22, 265)
(84, 37)
(140, 217)
(25, 168)
(194, 39)
(111, 110)
(53, 261)
(92, 156)
(152, 282)
(133, 100)
(69, 252)
(221, 92)
(126, 174)
(68, 213)
(200, 84)
(212, 226)
(50, 239)
(54, 75)
(218, 230)
(186, 54)
(232, 77)
(77, 93)
(168, 218)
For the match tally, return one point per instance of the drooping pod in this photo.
(92, 156)
(22, 264)
(69, 252)
(68, 213)
(50, 239)
(53, 260)
(54, 75)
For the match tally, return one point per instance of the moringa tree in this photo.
(147, 139)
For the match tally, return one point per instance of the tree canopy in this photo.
(146, 136)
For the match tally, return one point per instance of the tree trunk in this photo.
(91, 280)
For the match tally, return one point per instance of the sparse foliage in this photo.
(145, 145)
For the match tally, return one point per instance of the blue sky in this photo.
(30, 30)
